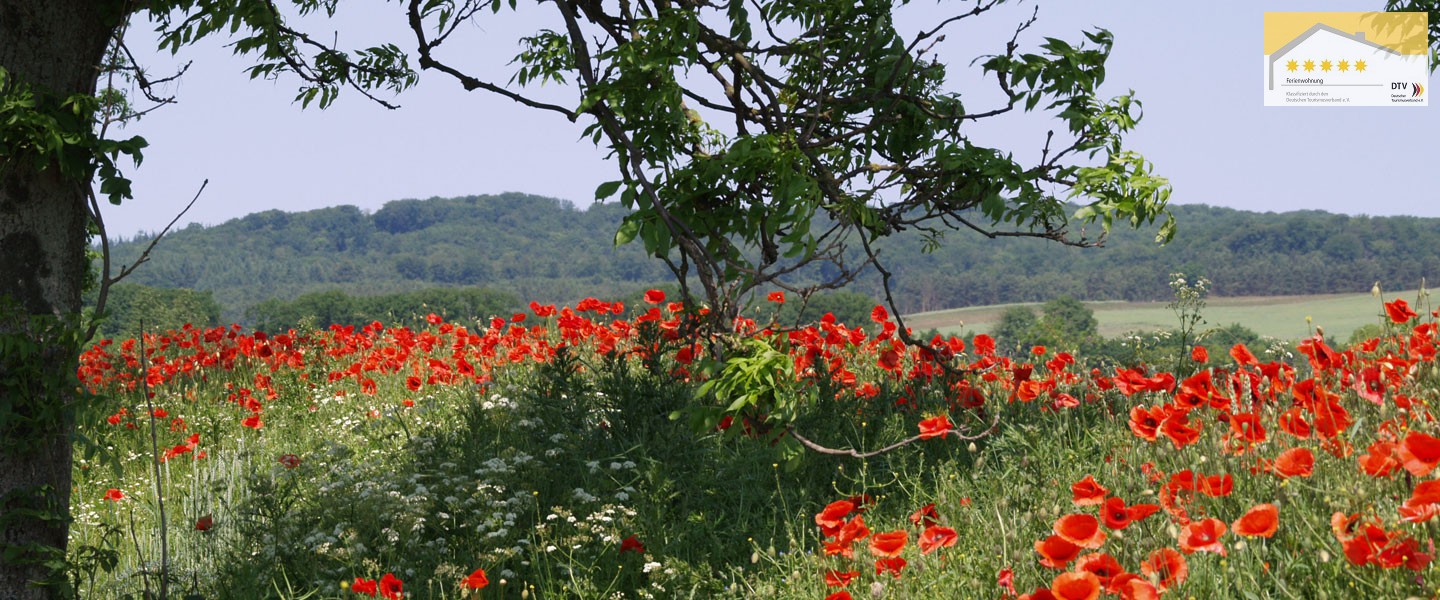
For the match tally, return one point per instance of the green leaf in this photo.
(606, 190)
(627, 232)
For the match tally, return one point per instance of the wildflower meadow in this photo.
(602, 451)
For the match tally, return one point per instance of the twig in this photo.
(105, 280)
(994, 423)
(155, 456)
(140, 553)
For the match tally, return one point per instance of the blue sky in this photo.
(1197, 67)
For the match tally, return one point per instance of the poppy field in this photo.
(598, 451)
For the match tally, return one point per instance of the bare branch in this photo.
(851, 452)
(470, 83)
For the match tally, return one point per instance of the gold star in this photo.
(1325, 66)
(1359, 65)
(1291, 66)
(1344, 65)
(1309, 66)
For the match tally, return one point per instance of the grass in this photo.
(1280, 317)
(382, 452)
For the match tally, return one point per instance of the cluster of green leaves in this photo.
(841, 135)
(1432, 10)
(39, 132)
(31, 348)
(278, 49)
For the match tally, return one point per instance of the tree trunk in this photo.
(55, 47)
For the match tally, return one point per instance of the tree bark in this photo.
(55, 47)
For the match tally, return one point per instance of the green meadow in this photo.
(1281, 317)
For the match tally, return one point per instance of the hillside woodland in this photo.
(543, 249)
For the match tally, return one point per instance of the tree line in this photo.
(534, 248)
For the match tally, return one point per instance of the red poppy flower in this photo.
(1368, 540)
(1006, 580)
(889, 544)
(1419, 453)
(476, 580)
(114, 495)
(1403, 552)
(290, 461)
(1379, 459)
(835, 578)
(832, 518)
(1087, 492)
(1199, 354)
(1101, 565)
(1295, 462)
(204, 523)
(1418, 513)
(925, 516)
(654, 296)
(892, 565)
(632, 544)
(1038, 594)
(1073, 585)
(1242, 355)
(1293, 422)
(1135, 588)
(889, 360)
(1426, 492)
(854, 529)
(252, 421)
(1080, 529)
(364, 586)
(1343, 525)
(1262, 520)
(1138, 512)
(776, 297)
(1247, 427)
(1167, 566)
(1145, 423)
(1056, 552)
(1114, 514)
(936, 537)
(391, 588)
(1216, 485)
(547, 310)
(984, 344)
(1399, 311)
(933, 427)
(1039, 350)
(1179, 430)
(1203, 536)
(840, 595)
(879, 314)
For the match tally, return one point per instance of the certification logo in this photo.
(1346, 59)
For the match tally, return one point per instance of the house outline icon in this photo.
(1358, 37)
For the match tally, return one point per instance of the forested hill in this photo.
(545, 249)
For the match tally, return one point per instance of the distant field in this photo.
(1276, 316)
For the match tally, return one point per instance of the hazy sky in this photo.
(1196, 66)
